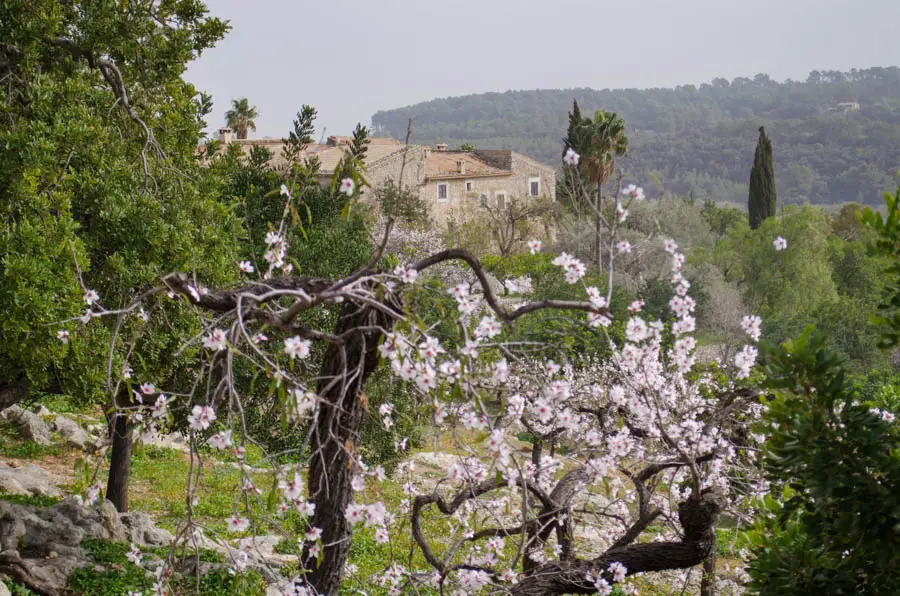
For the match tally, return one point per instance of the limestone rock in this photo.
(42, 411)
(31, 426)
(109, 519)
(141, 530)
(4, 591)
(71, 432)
(29, 480)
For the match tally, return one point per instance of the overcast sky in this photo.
(351, 58)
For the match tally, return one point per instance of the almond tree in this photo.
(645, 441)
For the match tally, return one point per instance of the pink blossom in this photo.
(216, 340)
(237, 523)
(297, 347)
(201, 417)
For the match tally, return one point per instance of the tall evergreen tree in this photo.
(761, 203)
(574, 122)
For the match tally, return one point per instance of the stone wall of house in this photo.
(389, 167)
(524, 169)
(462, 204)
(459, 200)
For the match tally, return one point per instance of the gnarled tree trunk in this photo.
(697, 515)
(345, 369)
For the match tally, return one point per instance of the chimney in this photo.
(226, 135)
(440, 147)
(461, 166)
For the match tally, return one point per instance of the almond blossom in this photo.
(297, 347)
(571, 158)
(201, 417)
(215, 340)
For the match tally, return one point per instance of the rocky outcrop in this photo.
(40, 547)
(29, 480)
(31, 426)
(142, 531)
(73, 434)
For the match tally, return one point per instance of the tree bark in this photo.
(120, 463)
(598, 255)
(697, 515)
(708, 581)
(345, 369)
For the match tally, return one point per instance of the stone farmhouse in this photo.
(454, 184)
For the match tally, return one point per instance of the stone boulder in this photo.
(141, 530)
(40, 550)
(4, 591)
(31, 426)
(29, 480)
(71, 432)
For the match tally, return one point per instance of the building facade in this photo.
(453, 184)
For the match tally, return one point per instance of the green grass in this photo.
(159, 482)
(64, 404)
(12, 445)
(32, 500)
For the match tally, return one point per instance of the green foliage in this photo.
(401, 203)
(820, 279)
(86, 200)
(19, 590)
(96, 580)
(220, 581)
(12, 445)
(837, 528)
(887, 244)
(31, 500)
(700, 138)
(111, 573)
(557, 331)
(761, 203)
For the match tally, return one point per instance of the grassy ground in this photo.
(158, 485)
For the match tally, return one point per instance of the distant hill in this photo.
(836, 135)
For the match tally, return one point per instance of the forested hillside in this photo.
(701, 139)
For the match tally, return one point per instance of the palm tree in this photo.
(240, 118)
(598, 140)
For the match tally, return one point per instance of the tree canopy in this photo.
(700, 139)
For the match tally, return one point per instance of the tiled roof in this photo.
(329, 155)
(446, 164)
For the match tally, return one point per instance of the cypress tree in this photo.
(761, 203)
(575, 120)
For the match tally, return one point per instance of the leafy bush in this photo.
(836, 529)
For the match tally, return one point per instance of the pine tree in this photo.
(761, 203)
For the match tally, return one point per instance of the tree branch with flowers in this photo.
(644, 441)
